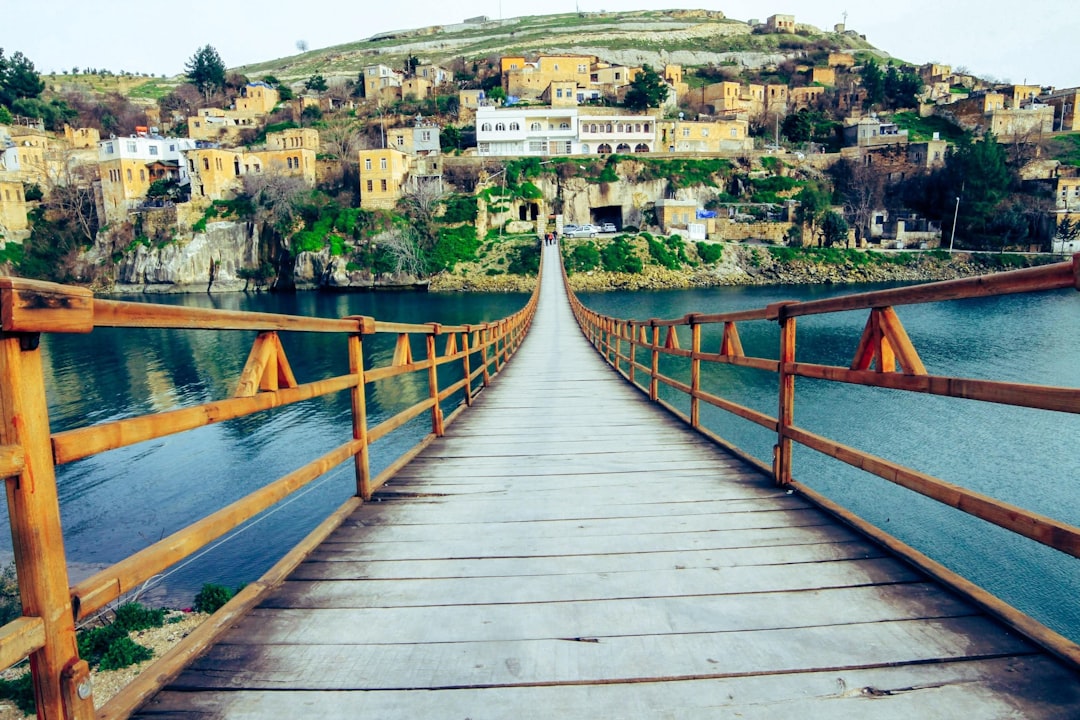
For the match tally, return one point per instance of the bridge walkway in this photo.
(569, 550)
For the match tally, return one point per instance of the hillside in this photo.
(656, 37)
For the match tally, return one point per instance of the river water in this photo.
(120, 501)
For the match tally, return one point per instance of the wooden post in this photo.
(485, 342)
(61, 681)
(654, 383)
(632, 330)
(787, 400)
(695, 373)
(433, 382)
(466, 349)
(618, 342)
(359, 417)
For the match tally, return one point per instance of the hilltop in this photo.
(655, 37)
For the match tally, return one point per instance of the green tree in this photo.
(18, 79)
(206, 70)
(833, 229)
(813, 202)
(316, 83)
(5, 116)
(978, 174)
(873, 82)
(647, 90)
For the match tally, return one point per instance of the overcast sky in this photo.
(1033, 41)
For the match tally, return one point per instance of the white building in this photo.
(547, 131)
(148, 149)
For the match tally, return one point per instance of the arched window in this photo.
(515, 126)
(535, 127)
(637, 127)
(585, 148)
(623, 148)
(641, 147)
(608, 128)
(564, 126)
(604, 149)
(486, 127)
(647, 128)
(500, 127)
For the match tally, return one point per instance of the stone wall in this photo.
(731, 231)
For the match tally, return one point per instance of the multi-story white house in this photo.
(128, 165)
(616, 133)
(527, 131)
(561, 131)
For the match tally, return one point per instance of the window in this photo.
(172, 148)
(288, 162)
(153, 150)
(425, 135)
(535, 127)
(734, 132)
(142, 174)
(129, 174)
(686, 132)
(515, 126)
(131, 147)
(382, 163)
(382, 184)
(369, 186)
(108, 148)
(704, 132)
(556, 67)
(486, 127)
(401, 140)
(500, 127)
(618, 76)
(367, 163)
(582, 68)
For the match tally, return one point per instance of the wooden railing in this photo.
(884, 357)
(29, 453)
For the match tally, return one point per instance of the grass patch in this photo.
(1066, 149)
(921, 129)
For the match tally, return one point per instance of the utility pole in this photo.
(956, 213)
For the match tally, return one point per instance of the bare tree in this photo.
(405, 250)
(341, 137)
(276, 199)
(421, 202)
(862, 186)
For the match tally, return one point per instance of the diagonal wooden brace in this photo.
(266, 368)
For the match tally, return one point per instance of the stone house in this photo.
(13, 207)
(529, 80)
(257, 99)
(780, 23)
(871, 132)
(1064, 103)
(378, 79)
(615, 133)
(383, 173)
(707, 137)
(127, 166)
(804, 97)
(218, 174)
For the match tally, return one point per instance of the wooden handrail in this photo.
(884, 345)
(29, 453)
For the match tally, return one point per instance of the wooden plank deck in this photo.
(570, 551)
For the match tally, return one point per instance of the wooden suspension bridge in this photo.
(563, 548)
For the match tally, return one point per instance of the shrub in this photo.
(709, 252)
(123, 652)
(525, 260)
(619, 256)
(583, 258)
(19, 691)
(211, 597)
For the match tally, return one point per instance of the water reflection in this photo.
(117, 502)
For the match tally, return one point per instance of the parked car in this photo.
(580, 231)
(608, 228)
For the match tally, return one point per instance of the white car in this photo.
(580, 231)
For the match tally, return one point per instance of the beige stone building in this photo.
(382, 177)
(841, 59)
(13, 207)
(1065, 104)
(706, 137)
(128, 165)
(823, 75)
(804, 97)
(781, 23)
(81, 138)
(218, 174)
(529, 80)
(257, 99)
(378, 78)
